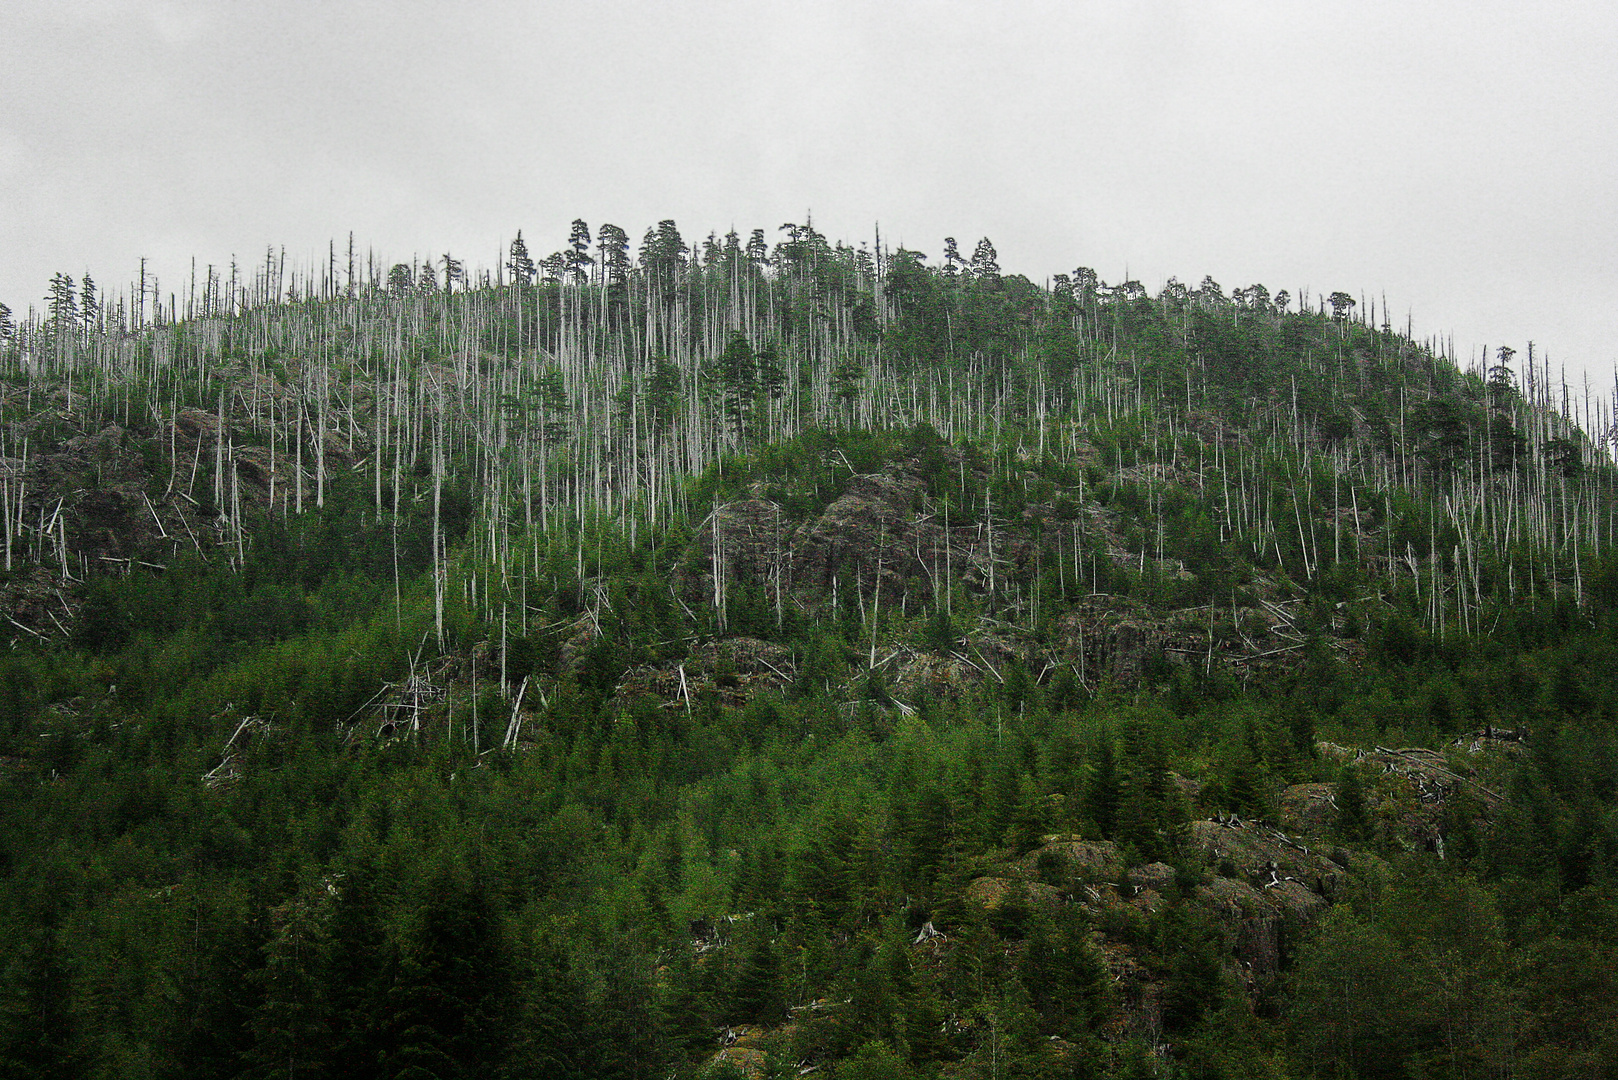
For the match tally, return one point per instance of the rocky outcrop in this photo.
(993, 893)
(1265, 856)
(1414, 793)
(918, 674)
(870, 529)
(1306, 809)
(751, 536)
(734, 669)
(880, 529)
(1096, 860)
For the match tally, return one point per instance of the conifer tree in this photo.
(874, 1060)
(553, 1036)
(454, 270)
(449, 1000)
(685, 1013)
(771, 373)
(757, 997)
(612, 246)
(553, 405)
(355, 967)
(736, 378)
(292, 1035)
(40, 1035)
(553, 267)
(985, 260)
(625, 1034)
(63, 304)
(662, 252)
(757, 250)
(662, 393)
(578, 252)
(519, 265)
(1353, 818)
(1103, 793)
(89, 305)
(1342, 305)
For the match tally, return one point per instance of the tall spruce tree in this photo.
(578, 252)
(519, 265)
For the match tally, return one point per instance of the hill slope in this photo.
(747, 659)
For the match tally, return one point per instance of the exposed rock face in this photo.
(920, 673)
(112, 499)
(1271, 897)
(1412, 793)
(884, 538)
(1156, 876)
(32, 603)
(1260, 920)
(871, 527)
(1268, 858)
(996, 892)
(1115, 637)
(1234, 900)
(752, 537)
(733, 668)
(748, 1060)
(110, 523)
(1097, 859)
(879, 529)
(1258, 906)
(1306, 809)
(1111, 637)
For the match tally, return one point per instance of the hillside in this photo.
(752, 659)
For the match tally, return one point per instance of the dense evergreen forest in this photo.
(734, 659)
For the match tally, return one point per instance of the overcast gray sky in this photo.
(1458, 157)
